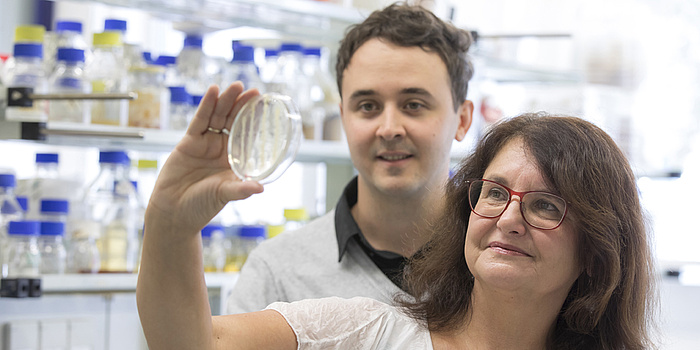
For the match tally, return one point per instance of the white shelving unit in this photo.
(87, 311)
(100, 310)
(100, 136)
(116, 283)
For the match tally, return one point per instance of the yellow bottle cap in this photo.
(106, 39)
(147, 164)
(99, 86)
(30, 34)
(298, 214)
(274, 230)
(150, 69)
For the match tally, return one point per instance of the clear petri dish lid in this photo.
(264, 138)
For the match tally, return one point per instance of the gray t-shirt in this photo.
(303, 264)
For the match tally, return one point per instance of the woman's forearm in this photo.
(171, 291)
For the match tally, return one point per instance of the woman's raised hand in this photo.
(196, 181)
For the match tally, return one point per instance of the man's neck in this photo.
(398, 224)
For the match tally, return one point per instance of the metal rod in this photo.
(91, 96)
(96, 133)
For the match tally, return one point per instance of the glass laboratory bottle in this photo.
(66, 34)
(23, 258)
(151, 108)
(290, 80)
(112, 204)
(10, 210)
(107, 74)
(28, 72)
(69, 77)
(52, 248)
(43, 184)
(295, 218)
(242, 68)
(180, 108)
(197, 70)
(213, 248)
(249, 237)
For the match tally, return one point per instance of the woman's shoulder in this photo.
(360, 320)
(354, 310)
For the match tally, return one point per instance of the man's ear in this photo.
(466, 111)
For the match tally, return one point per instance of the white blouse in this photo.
(357, 323)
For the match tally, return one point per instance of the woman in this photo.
(591, 273)
(554, 255)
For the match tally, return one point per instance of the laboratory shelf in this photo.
(115, 282)
(125, 138)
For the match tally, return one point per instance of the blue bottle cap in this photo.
(29, 50)
(244, 54)
(54, 206)
(196, 99)
(30, 228)
(7, 180)
(147, 57)
(70, 26)
(115, 25)
(193, 41)
(52, 228)
(117, 157)
(165, 60)
(209, 229)
(291, 47)
(271, 52)
(23, 202)
(7, 207)
(252, 231)
(47, 157)
(179, 94)
(312, 51)
(70, 55)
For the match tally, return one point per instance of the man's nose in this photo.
(391, 126)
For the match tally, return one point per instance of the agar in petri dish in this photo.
(264, 138)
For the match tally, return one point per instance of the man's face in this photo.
(399, 118)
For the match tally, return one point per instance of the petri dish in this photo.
(264, 138)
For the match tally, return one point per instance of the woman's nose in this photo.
(512, 220)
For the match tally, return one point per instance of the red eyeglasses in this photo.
(542, 210)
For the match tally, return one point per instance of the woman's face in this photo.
(508, 254)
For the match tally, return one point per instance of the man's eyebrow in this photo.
(362, 93)
(406, 91)
(416, 91)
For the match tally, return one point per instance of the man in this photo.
(403, 76)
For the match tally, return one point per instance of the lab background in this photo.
(630, 66)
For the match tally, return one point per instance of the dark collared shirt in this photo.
(390, 263)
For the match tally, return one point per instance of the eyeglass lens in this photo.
(540, 209)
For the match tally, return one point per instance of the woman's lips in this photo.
(507, 249)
